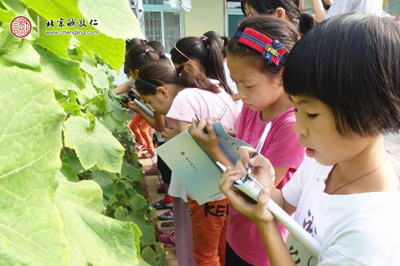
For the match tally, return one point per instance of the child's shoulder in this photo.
(284, 121)
(286, 116)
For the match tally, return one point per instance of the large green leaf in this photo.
(19, 9)
(87, 93)
(131, 172)
(108, 48)
(105, 181)
(72, 160)
(68, 172)
(146, 228)
(63, 72)
(43, 220)
(100, 79)
(117, 12)
(150, 256)
(6, 15)
(93, 147)
(88, 232)
(16, 51)
(30, 144)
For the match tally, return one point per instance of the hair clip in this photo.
(204, 37)
(271, 50)
(146, 51)
(148, 83)
(179, 70)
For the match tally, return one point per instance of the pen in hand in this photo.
(258, 148)
(219, 117)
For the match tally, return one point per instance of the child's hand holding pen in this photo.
(263, 173)
(203, 131)
(247, 162)
(258, 148)
(207, 139)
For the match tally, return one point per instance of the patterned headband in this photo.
(271, 50)
(148, 83)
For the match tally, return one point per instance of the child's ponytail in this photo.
(160, 72)
(190, 76)
(306, 23)
(215, 63)
(204, 52)
(139, 55)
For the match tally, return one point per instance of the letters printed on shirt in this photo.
(300, 255)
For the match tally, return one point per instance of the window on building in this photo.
(234, 16)
(161, 23)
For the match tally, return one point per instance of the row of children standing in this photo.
(176, 93)
(196, 87)
(257, 73)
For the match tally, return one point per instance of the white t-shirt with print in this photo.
(356, 229)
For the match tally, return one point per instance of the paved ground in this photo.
(152, 183)
(392, 143)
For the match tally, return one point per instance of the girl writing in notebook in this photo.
(255, 59)
(346, 192)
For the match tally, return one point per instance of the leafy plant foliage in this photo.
(69, 178)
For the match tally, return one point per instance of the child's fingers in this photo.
(231, 133)
(227, 179)
(236, 198)
(245, 155)
(194, 123)
(247, 158)
(193, 126)
(261, 212)
(210, 129)
(212, 120)
(263, 197)
(199, 128)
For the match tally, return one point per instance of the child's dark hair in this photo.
(303, 21)
(158, 48)
(133, 42)
(139, 55)
(272, 27)
(205, 51)
(221, 40)
(161, 72)
(351, 63)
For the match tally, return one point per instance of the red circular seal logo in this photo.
(20, 27)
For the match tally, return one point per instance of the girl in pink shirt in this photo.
(181, 94)
(256, 56)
